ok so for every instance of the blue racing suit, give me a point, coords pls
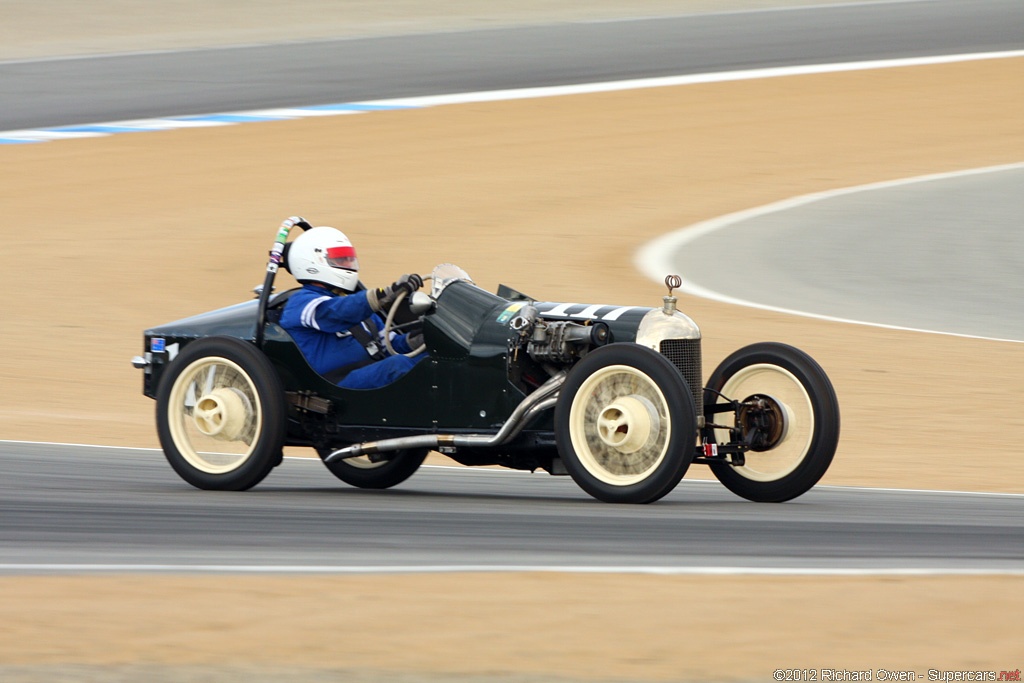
(320, 322)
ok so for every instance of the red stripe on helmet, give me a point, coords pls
(341, 252)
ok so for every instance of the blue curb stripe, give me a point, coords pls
(19, 137)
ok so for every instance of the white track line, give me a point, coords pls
(654, 259)
(479, 569)
(690, 79)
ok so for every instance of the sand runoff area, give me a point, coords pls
(108, 236)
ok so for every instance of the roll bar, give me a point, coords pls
(276, 256)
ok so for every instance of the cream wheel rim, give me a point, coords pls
(619, 425)
(798, 431)
(214, 415)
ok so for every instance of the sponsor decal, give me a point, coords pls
(156, 345)
(512, 309)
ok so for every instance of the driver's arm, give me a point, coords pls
(335, 313)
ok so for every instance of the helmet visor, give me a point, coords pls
(342, 257)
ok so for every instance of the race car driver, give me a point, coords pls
(335, 322)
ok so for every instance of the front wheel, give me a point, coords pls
(625, 424)
(788, 416)
(220, 414)
(381, 474)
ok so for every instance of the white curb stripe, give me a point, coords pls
(691, 79)
(231, 118)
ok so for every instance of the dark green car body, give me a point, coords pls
(610, 395)
(471, 382)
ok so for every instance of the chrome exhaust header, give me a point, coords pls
(540, 400)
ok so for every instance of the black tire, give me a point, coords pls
(797, 456)
(384, 474)
(625, 424)
(221, 415)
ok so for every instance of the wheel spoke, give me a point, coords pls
(209, 379)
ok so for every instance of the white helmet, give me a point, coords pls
(324, 255)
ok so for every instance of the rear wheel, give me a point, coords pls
(625, 424)
(221, 414)
(382, 474)
(789, 414)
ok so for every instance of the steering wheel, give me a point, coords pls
(389, 323)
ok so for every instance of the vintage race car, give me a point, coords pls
(610, 395)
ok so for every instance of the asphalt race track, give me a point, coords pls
(67, 505)
(64, 505)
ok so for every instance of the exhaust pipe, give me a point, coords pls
(540, 400)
